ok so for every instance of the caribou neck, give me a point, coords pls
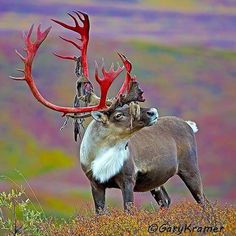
(99, 141)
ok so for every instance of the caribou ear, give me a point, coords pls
(99, 116)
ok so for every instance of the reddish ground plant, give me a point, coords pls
(183, 218)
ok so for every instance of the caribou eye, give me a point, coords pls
(118, 116)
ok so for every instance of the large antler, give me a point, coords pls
(129, 91)
(130, 85)
(83, 31)
(31, 50)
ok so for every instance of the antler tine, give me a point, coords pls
(20, 56)
(96, 72)
(84, 33)
(63, 24)
(72, 42)
(17, 78)
(85, 20)
(111, 74)
(45, 33)
(39, 31)
(105, 82)
(20, 70)
(112, 67)
(83, 14)
(29, 33)
(126, 62)
(73, 58)
(41, 36)
(108, 76)
(116, 72)
(76, 22)
(128, 66)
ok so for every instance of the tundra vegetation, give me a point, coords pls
(19, 216)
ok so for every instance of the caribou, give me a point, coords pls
(125, 146)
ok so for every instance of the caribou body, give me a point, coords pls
(125, 146)
(141, 158)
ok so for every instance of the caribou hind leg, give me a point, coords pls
(166, 194)
(190, 174)
(161, 196)
(193, 181)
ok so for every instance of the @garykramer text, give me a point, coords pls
(183, 228)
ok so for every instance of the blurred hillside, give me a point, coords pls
(184, 57)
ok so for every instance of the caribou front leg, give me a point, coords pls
(98, 192)
(128, 193)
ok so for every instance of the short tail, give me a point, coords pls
(193, 125)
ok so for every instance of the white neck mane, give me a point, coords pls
(104, 160)
(109, 162)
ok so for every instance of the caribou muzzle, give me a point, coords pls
(149, 116)
(146, 117)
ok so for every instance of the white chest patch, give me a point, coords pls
(109, 162)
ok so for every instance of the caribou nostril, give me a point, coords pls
(152, 112)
